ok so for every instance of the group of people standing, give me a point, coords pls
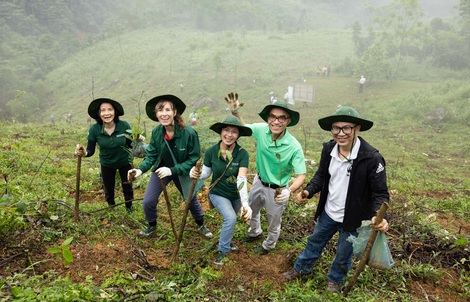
(351, 175)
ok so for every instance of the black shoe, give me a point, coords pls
(148, 231)
(249, 238)
(221, 258)
(260, 250)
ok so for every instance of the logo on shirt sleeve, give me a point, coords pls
(380, 168)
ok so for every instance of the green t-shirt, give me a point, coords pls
(276, 161)
(227, 185)
(113, 150)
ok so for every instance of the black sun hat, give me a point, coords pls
(231, 120)
(345, 114)
(94, 107)
(293, 115)
(177, 103)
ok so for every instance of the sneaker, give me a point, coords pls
(148, 231)
(205, 231)
(333, 287)
(220, 259)
(129, 210)
(260, 250)
(249, 238)
(234, 247)
(291, 275)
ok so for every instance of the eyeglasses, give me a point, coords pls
(345, 129)
(281, 119)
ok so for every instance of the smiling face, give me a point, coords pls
(345, 140)
(107, 113)
(165, 113)
(229, 135)
(278, 119)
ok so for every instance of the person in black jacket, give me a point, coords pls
(353, 184)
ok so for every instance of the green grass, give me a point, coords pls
(427, 165)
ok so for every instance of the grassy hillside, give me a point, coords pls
(419, 126)
(158, 61)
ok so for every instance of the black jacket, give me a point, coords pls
(367, 185)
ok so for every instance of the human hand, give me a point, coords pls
(163, 172)
(302, 196)
(246, 212)
(133, 174)
(195, 172)
(140, 138)
(382, 226)
(80, 151)
(283, 196)
(233, 102)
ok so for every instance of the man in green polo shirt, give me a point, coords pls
(278, 154)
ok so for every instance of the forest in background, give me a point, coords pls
(39, 37)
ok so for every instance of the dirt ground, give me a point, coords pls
(102, 258)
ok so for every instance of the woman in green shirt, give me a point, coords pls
(115, 149)
(227, 161)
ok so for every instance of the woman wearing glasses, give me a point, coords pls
(353, 184)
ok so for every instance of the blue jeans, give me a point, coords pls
(228, 209)
(323, 232)
(153, 191)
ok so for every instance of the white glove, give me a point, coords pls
(232, 102)
(163, 172)
(141, 138)
(195, 173)
(284, 196)
(246, 212)
(80, 151)
(133, 174)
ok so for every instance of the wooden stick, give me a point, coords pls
(370, 243)
(185, 214)
(77, 189)
(168, 205)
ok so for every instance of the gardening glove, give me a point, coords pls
(283, 197)
(133, 174)
(233, 102)
(163, 172)
(80, 151)
(246, 212)
(195, 173)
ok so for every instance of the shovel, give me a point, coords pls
(77, 189)
(370, 243)
(168, 205)
(185, 214)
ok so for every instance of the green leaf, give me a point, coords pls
(54, 250)
(67, 241)
(67, 254)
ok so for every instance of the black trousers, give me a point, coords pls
(109, 181)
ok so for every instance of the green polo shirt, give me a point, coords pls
(227, 185)
(113, 150)
(275, 162)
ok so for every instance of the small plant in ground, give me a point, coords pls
(63, 250)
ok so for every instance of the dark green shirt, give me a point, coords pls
(114, 152)
(227, 185)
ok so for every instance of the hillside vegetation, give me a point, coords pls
(420, 126)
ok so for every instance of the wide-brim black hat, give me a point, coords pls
(94, 107)
(177, 103)
(233, 121)
(293, 115)
(345, 114)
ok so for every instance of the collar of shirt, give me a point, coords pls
(352, 156)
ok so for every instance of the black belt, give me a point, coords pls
(266, 184)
